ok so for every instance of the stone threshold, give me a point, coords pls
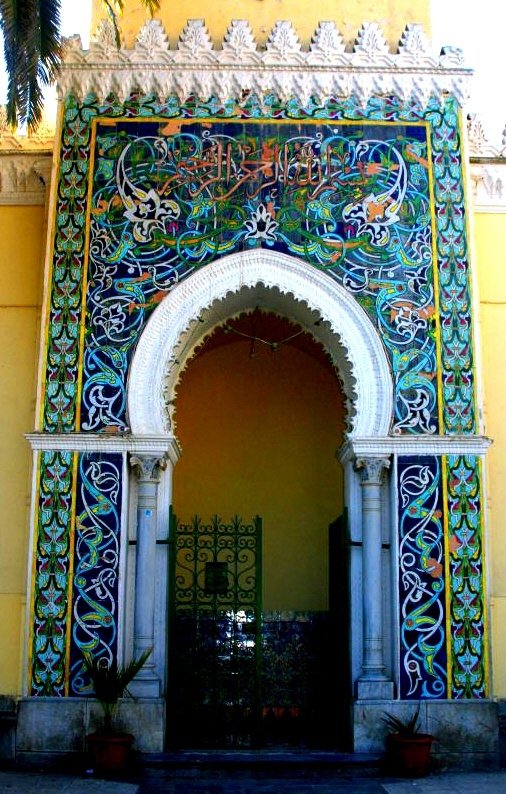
(260, 758)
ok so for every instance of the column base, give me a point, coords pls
(145, 688)
(374, 690)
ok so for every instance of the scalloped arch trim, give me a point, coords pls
(235, 283)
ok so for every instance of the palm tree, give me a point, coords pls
(32, 50)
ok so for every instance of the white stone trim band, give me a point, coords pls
(413, 445)
(157, 446)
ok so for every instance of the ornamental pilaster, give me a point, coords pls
(148, 469)
(373, 682)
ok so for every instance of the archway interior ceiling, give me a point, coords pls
(273, 317)
(261, 327)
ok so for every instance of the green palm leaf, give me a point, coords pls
(110, 680)
(33, 49)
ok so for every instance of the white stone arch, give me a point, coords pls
(282, 283)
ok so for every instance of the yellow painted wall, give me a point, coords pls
(259, 436)
(262, 14)
(21, 242)
(490, 248)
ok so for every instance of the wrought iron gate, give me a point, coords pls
(215, 643)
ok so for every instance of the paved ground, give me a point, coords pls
(216, 783)
(49, 783)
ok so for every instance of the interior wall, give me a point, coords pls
(259, 436)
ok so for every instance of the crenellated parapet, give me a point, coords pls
(330, 66)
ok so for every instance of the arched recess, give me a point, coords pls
(279, 283)
(212, 295)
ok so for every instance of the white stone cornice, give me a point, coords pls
(156, 446)
(198, 68)
(412, 445)
(24, 177)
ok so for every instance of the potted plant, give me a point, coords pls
(110, 749)
(408, 750)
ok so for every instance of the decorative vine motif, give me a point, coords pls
(466, 570)
(421, 579)
(401, 304)
(96, 563)
(68, 257)
(455, 301)
(352, 200)
(51, 574)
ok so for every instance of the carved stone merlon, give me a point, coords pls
(479, 144)
(238, 67)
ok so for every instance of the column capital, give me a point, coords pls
(372, 468)
(148, 468)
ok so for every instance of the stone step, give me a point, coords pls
(282, 761)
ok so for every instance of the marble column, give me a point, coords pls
(373, 683)
(148, 469)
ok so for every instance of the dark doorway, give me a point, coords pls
(339, 647)
(215, 643)
(242, 677)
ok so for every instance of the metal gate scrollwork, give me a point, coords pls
(214, 634)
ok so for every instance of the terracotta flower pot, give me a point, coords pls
(410, 755)
(110, 752)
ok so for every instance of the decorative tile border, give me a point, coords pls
(52, 575)
(467, 626)
(106, 364)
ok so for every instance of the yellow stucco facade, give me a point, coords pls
(22, 242)
(490, 253)
(393, 15)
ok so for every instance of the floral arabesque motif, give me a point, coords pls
(423, 663)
